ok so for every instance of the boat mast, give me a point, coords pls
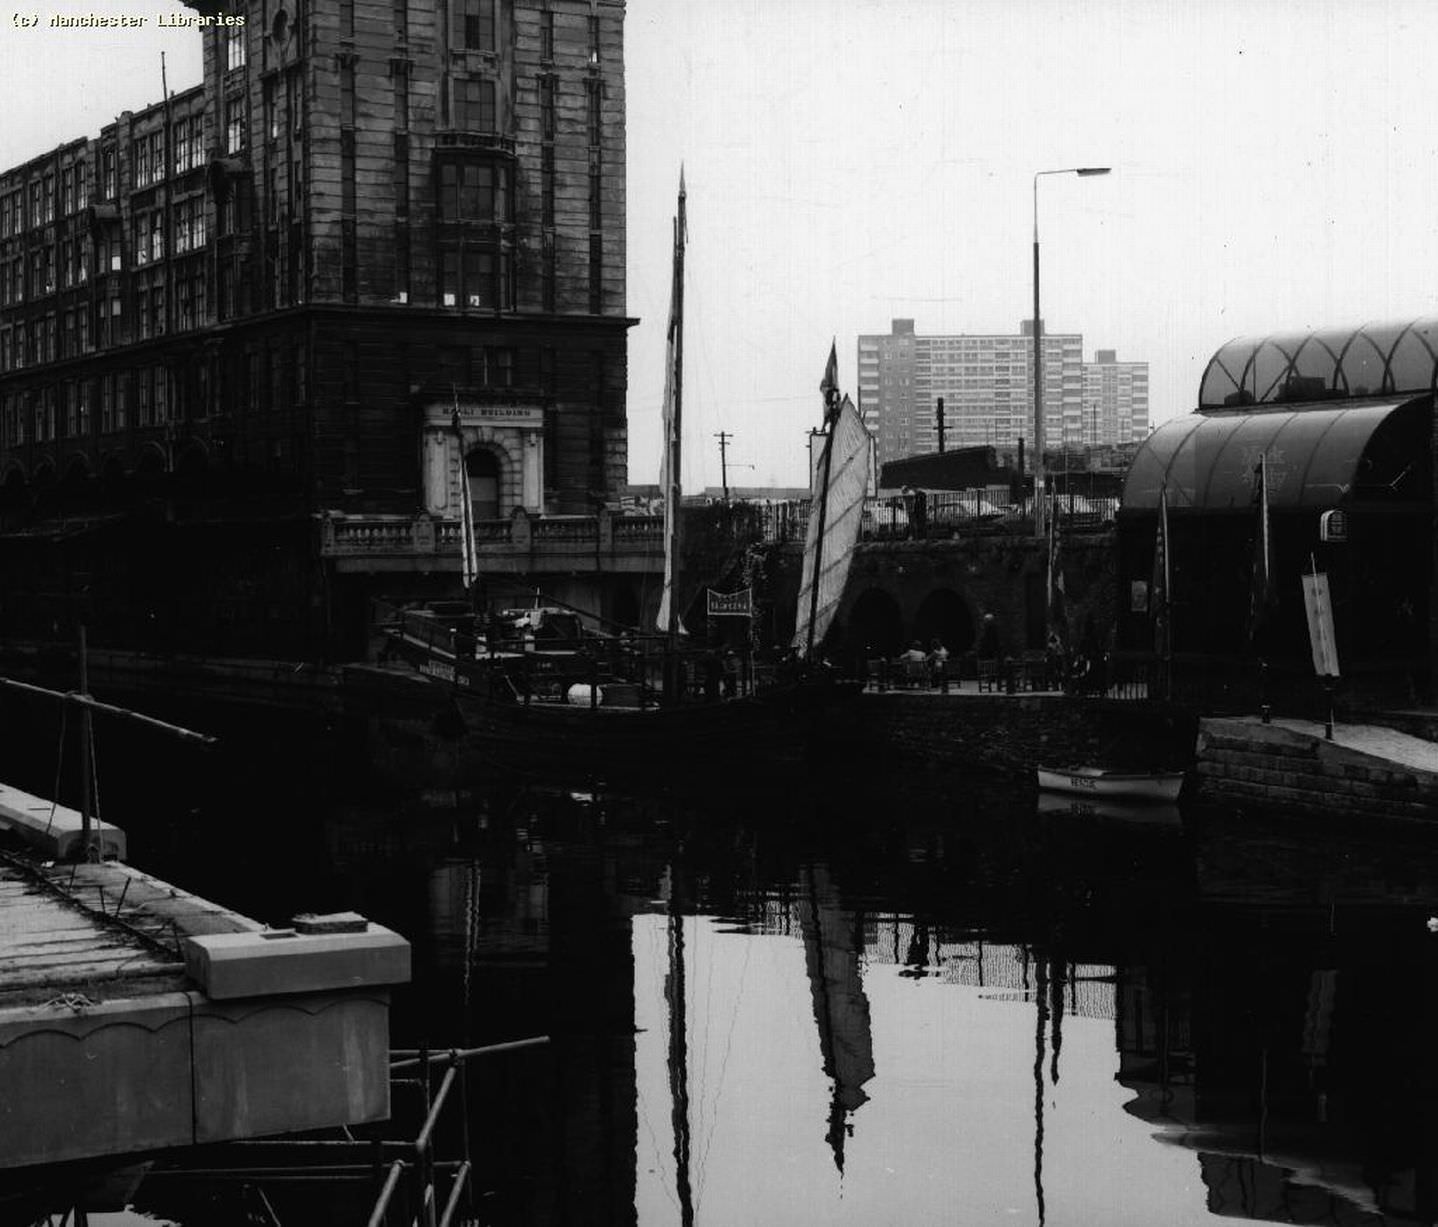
(831, 420)
(676, 442)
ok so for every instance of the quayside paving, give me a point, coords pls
(136, 1017)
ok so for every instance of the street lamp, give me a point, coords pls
(1038, 331)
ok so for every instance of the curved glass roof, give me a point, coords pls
(1208, 460)
(1374, 360)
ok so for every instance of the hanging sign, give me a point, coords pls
(1320, 624)
(731, 604)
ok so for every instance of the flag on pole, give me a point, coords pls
(1158, 589)
(468, 550)
(1262, 593)
(829, 385)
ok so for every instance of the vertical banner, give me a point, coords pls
(1320, 624)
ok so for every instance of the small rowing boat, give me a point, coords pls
(1098, 782)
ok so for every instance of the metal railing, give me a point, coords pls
(414, 1185)
(940, 515)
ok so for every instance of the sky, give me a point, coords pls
(849, 162)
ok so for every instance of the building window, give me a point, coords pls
(234, 48)
(546, 108)
(474, 25)
(474, 191)
(596, 274)
(475, 278)
(595, 198)
(547, 185)
(234, 123)
(593, 39)
(546, 35)
(474, 105)
(592, 91)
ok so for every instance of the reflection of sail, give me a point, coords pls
(832, 945)
(679, 1064)
(837, 512)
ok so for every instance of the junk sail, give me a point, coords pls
(833, 950)
(834, 520)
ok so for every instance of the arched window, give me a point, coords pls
(483, 467)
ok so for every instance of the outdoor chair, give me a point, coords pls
(915, 673)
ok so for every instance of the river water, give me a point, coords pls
(878, 997)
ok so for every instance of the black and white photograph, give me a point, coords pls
(706, 613)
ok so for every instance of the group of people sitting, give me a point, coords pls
(934, 660)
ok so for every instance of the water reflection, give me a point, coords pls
(909, 1001)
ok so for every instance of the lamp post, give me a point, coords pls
(1038, 331)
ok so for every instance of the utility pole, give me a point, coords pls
(724, 436)
(940, 420)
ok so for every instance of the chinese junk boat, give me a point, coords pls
(547, 682)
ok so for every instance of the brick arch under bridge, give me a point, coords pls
(874, 622)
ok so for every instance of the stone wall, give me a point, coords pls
(1249, 763)
(1012, 735)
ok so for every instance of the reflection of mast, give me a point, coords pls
(841, 1009)
(1041, 1010)
(1056, 996)
(678, 1057)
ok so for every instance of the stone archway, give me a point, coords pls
(944, 615)
(875, 625)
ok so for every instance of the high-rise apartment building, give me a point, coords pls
(1115, 398)
(271, 294)
(986, 383)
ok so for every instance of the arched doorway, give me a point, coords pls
(483, 468)
(943, 615)
(624, 608)
(876, 628)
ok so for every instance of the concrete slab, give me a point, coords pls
(275, 961)
(55, 830)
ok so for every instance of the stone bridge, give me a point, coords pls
(900, 591)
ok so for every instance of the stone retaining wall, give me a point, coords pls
(1247, 762)
(1012, 734)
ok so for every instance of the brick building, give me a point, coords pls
(234, 326)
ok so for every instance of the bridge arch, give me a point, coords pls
(875, 625)
(944, 615)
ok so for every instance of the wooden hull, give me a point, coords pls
(1112, 785)
(723, 735)
(698, 740)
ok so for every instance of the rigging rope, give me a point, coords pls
(59, 767)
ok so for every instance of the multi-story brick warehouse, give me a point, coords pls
(234, 326)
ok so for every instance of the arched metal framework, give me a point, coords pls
(1373, 360)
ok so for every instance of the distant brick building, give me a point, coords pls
(257, 303)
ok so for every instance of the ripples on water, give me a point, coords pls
(898, 999)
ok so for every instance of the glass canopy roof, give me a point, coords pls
(1374, 360)
(1314, 457)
